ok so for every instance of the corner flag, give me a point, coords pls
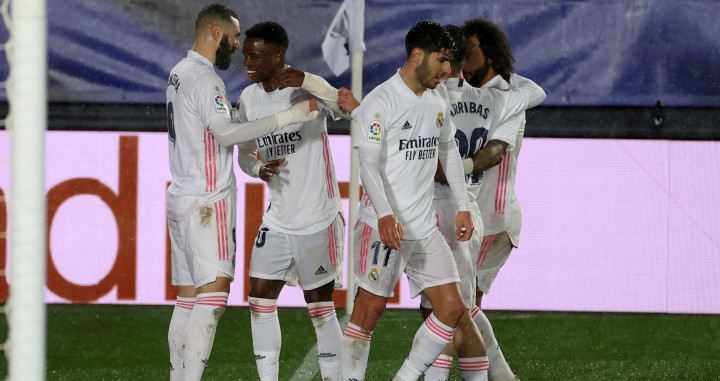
(345, 35)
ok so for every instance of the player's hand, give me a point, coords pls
(440, 175)
(463, 226)
(288, 77)
(346, 100)
(270, 169)
(391, 231)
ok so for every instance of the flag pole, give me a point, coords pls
(356, 65)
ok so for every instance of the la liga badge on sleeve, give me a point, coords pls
(220, 105)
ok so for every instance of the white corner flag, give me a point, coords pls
(345, 35)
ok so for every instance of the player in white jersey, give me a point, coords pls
(475, 112)
(403, 130)
(490, 65)
(303, 229)
(201, 196)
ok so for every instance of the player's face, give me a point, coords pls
(434, 69)
(476, 65)
(261, 59)
(228, 46)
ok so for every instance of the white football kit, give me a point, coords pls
(201, 197)
(498, 203)
(475, 112)
(303, 222)
(401, 133)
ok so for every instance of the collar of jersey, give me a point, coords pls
(193, 55)
(497, 82)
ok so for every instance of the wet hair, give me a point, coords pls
(213, 13)
(494, 44)
(460, 51)
(270, 32)
(429, 36)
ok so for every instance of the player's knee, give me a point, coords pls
(323, 293)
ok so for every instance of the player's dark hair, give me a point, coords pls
(460, 51)
(214, 12)
(429, 36)
(270, 32)
(494, 44)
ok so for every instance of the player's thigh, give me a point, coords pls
(464, 259)
(180, 255)
(318, 256)
(492, 260)
(272, 256)
(431, 264)
(377, 267)
(210, 237)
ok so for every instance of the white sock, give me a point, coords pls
(499, 368)
(176, 336)
(266, 336)
(356, 349)
(440, 369)
(474, 368)
(329, 339)
(200, 332)
(430, 340)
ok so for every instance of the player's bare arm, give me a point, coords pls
(347, 101)
(391, 231)
(463, 226)
(489, 156)
(270, 169)
(289, 77)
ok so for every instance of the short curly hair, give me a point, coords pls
(460, 51)
(270, 32)
(494, 44)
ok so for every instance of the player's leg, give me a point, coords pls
(377, 271)
(494, 252)
(270, 264)
(265, 326)
(318, 265)
(184, 303)
(432, 271)
(211, 260)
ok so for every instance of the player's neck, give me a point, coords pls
(411, 80)
(490, 75)
(205, 51)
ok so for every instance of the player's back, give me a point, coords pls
(201, 168)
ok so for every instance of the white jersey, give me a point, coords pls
(498, 203)
(475, 112)
(202, 169)
(304, 197)
(408, 128)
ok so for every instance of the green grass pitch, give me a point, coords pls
(103, 342)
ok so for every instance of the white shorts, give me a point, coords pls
(427, 262)
(312, 259)
(465, 257)
(494, 252)
(203, 244)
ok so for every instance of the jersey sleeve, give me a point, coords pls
(370, 118)
(212, 99)
(447, 131)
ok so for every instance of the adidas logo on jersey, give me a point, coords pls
(406, 126)
(321, 270)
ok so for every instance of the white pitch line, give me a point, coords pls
(309, 367)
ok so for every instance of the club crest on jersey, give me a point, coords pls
(220, 105)
(440, 120)
(375, 132)
(373, 276)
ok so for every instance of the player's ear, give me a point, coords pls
(216, 32)
(417, 56)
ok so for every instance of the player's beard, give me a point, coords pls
(424, 75)
(479, 75)
(223, 54)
